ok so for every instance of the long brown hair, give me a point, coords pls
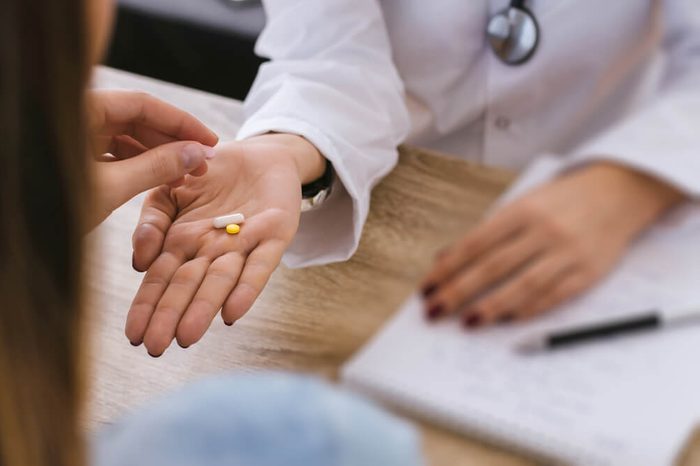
(43, 181)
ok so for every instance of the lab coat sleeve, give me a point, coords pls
(330, 79)
(663, 138)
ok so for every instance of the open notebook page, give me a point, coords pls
(626, 401)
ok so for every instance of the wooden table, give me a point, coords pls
(308, 320)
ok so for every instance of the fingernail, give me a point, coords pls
(192, 156)
(435, 312)
(228, 323)
(209, 152)
(135, 343)
(506, 318)
(182, 346)
(428, 290)
(155, 356)
(472, 321)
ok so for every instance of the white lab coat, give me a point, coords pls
(616, 79)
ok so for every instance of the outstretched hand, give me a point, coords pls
(194, 270)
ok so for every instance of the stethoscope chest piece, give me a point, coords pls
(513, 34)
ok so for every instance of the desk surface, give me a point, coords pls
(308, 320)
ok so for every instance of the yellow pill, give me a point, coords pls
(233, 229)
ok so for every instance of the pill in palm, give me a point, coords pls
(233, 229)
(224, 220)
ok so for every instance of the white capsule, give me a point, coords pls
(221, 222)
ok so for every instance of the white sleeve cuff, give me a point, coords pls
(662, 142)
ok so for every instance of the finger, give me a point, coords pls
(121, 112)
(220, 280)
(176, 298)
(511, 298)
(148, 137)
(157, 214)
(162, 165)
(484, 237)
(151, 290)
(488, 270)
(568, 288)
(124, 147)
(256, 272)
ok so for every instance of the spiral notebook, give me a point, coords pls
(626, 401)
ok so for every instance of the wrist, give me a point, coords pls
(641, 197)
(310, 164)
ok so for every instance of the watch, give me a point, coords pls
(314, 193)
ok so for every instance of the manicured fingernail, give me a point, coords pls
(135, 343)
(435, 312)
(156, 356)
(209, 152)
(133, 263)
(192, 156)
(429, 289)
(506, 318)
(472, 320)
(182, 346)
(228, 323)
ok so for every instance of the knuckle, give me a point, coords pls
(161, 165)
(555, 230)
(154, 280)
(222, 275)
(488, 270)
(529, 209)
(576, 284)
(167, 313)
(182, 279)
(145, 100)
(452, 295)
(528, 282)
(201, 303)
(247, 291)
(490, 305)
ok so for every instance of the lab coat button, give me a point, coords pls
(502, 123)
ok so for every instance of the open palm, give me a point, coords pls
(195, 270)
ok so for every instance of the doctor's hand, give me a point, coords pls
(140, 142)
(194, 270)
(546, 247)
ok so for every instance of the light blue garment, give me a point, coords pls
(258, 420)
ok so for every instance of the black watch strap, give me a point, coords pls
(324, 182)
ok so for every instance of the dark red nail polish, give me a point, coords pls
(135, 343)
(472, 320)
(228, 323)
(133, 263)
(428, 290)
(435, 312)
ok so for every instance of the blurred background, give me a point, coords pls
(205, 44)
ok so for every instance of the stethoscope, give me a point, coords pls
(514, 33)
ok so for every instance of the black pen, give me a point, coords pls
(646, 321)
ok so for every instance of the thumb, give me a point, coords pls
(161, 165)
